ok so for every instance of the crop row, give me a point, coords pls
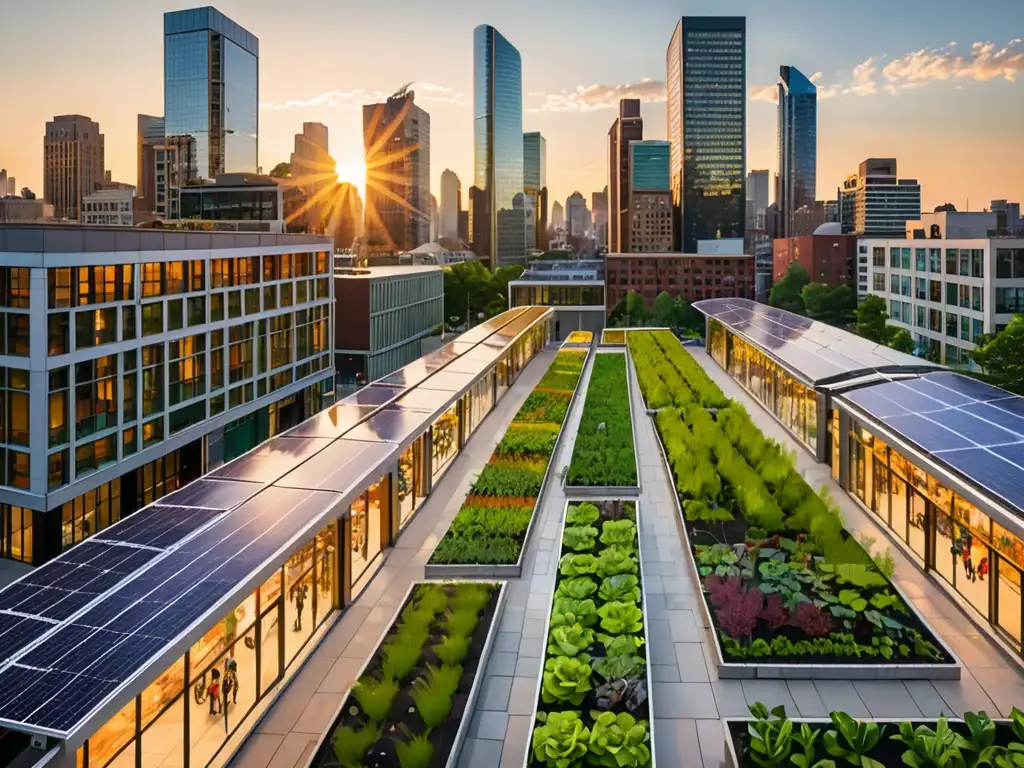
(670, 375)
(772, 740)
(604, 455)
(406, 707)
(593, 708)
(782, 577)
(491, 526)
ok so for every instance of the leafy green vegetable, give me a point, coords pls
(625, 587)
(620, 645)
(351, 744)
(615, 560)
(578, 588)
(375, 696)
(584, 513)
(621, 618)
(577, 565)
(603, 454)
(561, 739)
(566, 610)
(433, 693)
(619, 740)
(619, 532)
(579, 537)
(566, 679)
(615, 667)
(569, 640)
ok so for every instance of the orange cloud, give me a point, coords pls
(587, 98)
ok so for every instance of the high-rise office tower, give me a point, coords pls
(577, 216)
(149, 135)
(396, 137)
(557, 215)
(650, 200)
(6, 183)
(627, 128)
(599, 207)
(876, 202)
(757, 190)
(211, 91)
(798, 145)
(706, 95)
(498, 146)
(535, 185)
(313, 172)
(451, 204)
(73, 163)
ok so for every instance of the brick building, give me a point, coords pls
(691, 276)
(829, 259)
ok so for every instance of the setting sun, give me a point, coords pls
(353, 170)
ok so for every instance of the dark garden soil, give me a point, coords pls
(403, 710)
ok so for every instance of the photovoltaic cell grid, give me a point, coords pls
(59, 681)
(975, 428)
(815, 350)
(77, 662)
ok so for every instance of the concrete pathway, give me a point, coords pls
(287, 733)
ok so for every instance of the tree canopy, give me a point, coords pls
(27, 193)
(470, 286)
(663, 312)
(787, 293)
(1002, 356)
(901, 340)
(281, 171)
(834, 305)
(871, 317)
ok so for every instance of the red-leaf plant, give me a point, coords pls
(810, 620)
(722, 589)
(738, 615)
(773, 614)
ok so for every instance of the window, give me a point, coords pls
(94, 455)
(951, 319)
(58, 406)
(95, 327)
(965, 296)
(935, 260)
(920, 259)
(905, 285)
(965, 328)
(183, 418)
(152, 379)
(96, 402)
(977, 262)
(152, 318)
(280, 341)
(965, 262)
(1009, 300)
(17, 333)
(894, 309)
(187, 369)
(216, 360)
(907, 316)
(152, 432)
(240, 353)
(894, 258)
(905, 258)
(175, 315)
(128, 329)
(952, 293)
(197, 275)
(222, 273)
(234, 304)
(14, 406)
(919, 320)
(216, 307)
(60, 287)
(977, 329)
(247, 267)
(252, 301)
(152, 279)
(951, 256)
(935, 291)
(57, 333)
(197, 310)
(878, 282)
(935, 320)
(894, 285)
(175, 276)
(286, 294)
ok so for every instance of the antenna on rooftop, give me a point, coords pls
(401, 92)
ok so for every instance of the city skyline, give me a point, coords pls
(957, 135)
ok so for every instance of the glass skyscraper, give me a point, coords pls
(211, 91)
(706, 82)
(535, 185)
(498, 146)
(798, 145)
(649, 165)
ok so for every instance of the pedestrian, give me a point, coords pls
(231, 678)
(300, 603)
(968, 565)
(213, 692)
(983, 568)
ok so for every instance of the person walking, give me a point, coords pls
(983, 568)
(213, 692)
(968, 565)
(300, 603)
(231, 679)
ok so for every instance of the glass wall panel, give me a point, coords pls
(409, 467)
(445, 439)
(298, 610)
(106, 744)
(162, 741)
(1008, 599)
(270, 666)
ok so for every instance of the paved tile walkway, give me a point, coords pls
(287, 734)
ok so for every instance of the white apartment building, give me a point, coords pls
(946, 292)
(136, 360)
(109, 208)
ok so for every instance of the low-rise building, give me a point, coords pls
(109, 208)
(382, 314)
(574, 289)
(828, 257)
(692, 276)
(241, 202)
(135, 360)
(18, 210)
(946, 291)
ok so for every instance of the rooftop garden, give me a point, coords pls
(491, 526)
(783, 579)
(593, 708)
(604, 455)
(580, 337)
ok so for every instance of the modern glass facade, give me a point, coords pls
(176, 721)
(649, 165)
(535, 185)
(793, 402)
(213, 204)
(706, 86)
(211, 90)
(798, 144)
(498, 144)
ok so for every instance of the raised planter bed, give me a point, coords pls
(415, 694)
(979, 740)
(604, 462)
(593, 706)
(787, 592)
(489, 535)
(613, 337)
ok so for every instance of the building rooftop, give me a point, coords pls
(815, 352)
(376, 273)
(80, 635)
(678, 256)
(76, 238)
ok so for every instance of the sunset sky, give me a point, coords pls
(939, 84)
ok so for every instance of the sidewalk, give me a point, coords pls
(287, 734)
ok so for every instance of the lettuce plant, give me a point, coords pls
(621, 618)
(619, 532)
(615, 560)
(624, 587)
(570, 640)
(619, 741)
(620, 645)
(568, 611)
(561, 739)
(577, 565)
(578, 588)
(579, 538)
(585, 513)
(566, 679)
(617, 667)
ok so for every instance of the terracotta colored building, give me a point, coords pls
(681, 274)
(830, 259)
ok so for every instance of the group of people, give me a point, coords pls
(225, 686)
(962, 548)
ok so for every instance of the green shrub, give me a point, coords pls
(414, 751)
(506, 480)
(433, 693)
(603, 454)
(351, 744)
(453, 649)
(375, 696)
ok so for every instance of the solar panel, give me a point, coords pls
(272, 459)
(928, 433)
(333, 422)
(374, 395)
(17, 631)
(875, 403)
(976, 430)
(419, 399)
(339, 468)
(936, 391)
(392, 425)
(448, 382)
(210, 494)
(965, 385)
(996, 412)
(158, 525)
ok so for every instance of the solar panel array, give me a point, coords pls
(817, 351)
(76, 629)
(972, 427)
